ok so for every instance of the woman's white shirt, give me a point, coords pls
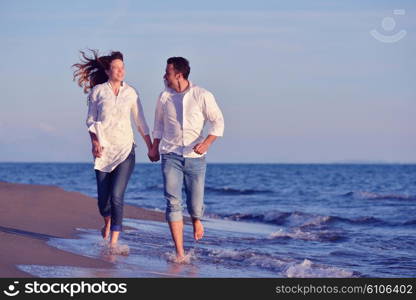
(109, 119)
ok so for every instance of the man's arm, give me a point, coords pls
(201, 148)
(214, 115)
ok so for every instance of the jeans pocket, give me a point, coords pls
(201, 159)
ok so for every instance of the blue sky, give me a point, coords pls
(298, 81)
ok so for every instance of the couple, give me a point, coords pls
(181, 113)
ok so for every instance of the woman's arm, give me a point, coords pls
(97, 149)
(90, 122)
(140, 121)
(154, 154)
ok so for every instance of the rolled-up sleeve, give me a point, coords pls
(138, 116)
(92, 114)
(158, 123)
(213, 114)
(92, 122)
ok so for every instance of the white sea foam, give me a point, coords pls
(227, 253)
(375, 196)
(249, 258)
(319, 220)
(188, 258)
(296, 234)
(308, 269)
(118, 249)
(307, 235)
(284, 266)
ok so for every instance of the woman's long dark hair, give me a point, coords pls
(91, 70)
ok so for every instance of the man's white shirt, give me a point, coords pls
(180, 119)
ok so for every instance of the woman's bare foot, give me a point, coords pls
(105, 232)
(198, 229)
(118, 249)
(114, 238)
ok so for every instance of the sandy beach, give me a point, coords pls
(31, 214)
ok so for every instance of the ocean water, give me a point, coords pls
(262, 220)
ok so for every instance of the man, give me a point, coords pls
(181, 113)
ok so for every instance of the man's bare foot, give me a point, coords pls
(180, 259)
(105, 232)
(198, 229)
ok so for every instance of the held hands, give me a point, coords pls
(153, 153)
(97, 149)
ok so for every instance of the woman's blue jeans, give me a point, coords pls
(111, 188)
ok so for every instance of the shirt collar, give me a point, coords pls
(172, 91)
(109, 84)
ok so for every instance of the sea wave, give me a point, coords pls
(301, 218)
(377, 196)
(411, 222)
(282, 266)
(221, 190)
(234, 191)
(274, 217)
(308, 269)
(309, 235)
(311, 227)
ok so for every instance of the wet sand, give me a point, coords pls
(31, 214)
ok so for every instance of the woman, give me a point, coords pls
(111, 102)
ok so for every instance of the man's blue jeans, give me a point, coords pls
(111, 188)
(176, 170)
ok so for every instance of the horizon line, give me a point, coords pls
(247, 163)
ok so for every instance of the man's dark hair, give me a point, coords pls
(181, 65)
